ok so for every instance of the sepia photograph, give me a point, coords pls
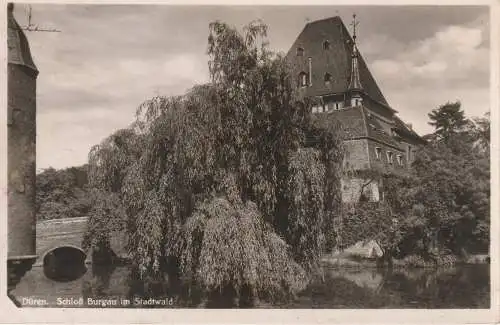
(248, 156)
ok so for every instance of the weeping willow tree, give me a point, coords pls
(217, 183)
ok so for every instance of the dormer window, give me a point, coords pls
(390, 158)
(400, 160)
(303, 82)
(300, 51)
(328, 78)
(378, 152)
(326, 45)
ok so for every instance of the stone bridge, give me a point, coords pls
(55, 234)
(59, 245)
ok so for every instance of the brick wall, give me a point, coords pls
(356, 154)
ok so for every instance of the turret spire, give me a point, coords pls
(355, 83)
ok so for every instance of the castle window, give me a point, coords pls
(326, 45)
(400, 160)
(328, 78)
(300, 51)
(378, 152)
(303, 79)
(390, 158)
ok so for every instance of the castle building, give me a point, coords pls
(328, 66)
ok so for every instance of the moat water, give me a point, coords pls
(464, 286)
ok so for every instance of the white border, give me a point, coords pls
(9, 313)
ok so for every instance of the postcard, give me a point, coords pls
(319, 162)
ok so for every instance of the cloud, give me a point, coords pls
(110, 58)
(414, 105)
(451, 55)
(450, 65)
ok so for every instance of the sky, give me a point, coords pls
(108, 59)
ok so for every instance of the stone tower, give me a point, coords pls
(21, 121)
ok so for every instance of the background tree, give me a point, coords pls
(449, 198)
(448, 119)
(62, 193)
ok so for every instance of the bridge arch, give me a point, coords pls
(60, 240)
(64, 263)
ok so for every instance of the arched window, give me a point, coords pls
(303, 79)
(328, 78)
(326, 45)
(300, 51)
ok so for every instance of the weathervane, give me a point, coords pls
(354, 24)
(35, 28)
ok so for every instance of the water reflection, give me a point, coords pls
(64, 264)
(99, 284)
(459, 287)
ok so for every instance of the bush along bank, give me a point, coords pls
(348, 260)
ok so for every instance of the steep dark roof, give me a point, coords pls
(352, 121)
(336, 60)
(17, 43)
(403, 130)
(378, 130)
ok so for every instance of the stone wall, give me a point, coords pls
(21, 160)
(382, 162)
(352, 190)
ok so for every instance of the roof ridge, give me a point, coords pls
(337, 17)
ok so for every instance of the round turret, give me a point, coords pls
(21, 134)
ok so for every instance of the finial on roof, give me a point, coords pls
(355, 82)
(354, 24)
